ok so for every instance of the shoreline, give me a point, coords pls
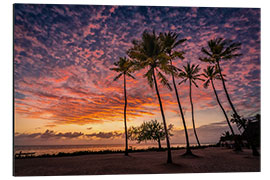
(78, 153)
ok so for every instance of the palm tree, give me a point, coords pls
(124, 68)
(147, 53)
(169, 41)
(211, 73)
(221, 50)
(190, 72)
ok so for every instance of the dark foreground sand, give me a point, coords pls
(209, 160)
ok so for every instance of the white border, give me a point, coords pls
(6, 84)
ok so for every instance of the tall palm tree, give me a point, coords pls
(191, 73)
(169, 41)
(218, 50)
(211, 73)
(124, 67)
(147, 53)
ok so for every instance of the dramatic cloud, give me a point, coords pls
(62, 56)
(50, 134)
(105, 135)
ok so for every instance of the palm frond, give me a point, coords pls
(206, 84)
(184, 80)
(164, 81)
(220, 49)
(118, 76)
(196, 78)
(178, 54)
(172, 69)
(149, 76)
(162, 59)
(131, 76)
(182, 74)
(206, 52)
(179, 42)
(205, 75)
(209, 60)
(124, 66)
(195, 83)
(115, 69)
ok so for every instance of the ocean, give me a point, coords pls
(55, 149)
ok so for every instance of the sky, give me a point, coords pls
(65, 93)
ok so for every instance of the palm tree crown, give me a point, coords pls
(124, 66)
(170, 42)
(148, 53)
(210, 73)
(190, 72)
(220, 49)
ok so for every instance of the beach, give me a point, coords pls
(212, 159)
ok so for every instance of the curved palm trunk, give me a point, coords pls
(169, 158)
(238, 146)
(224, 112)
(225, 89)
(192, 113)
(188, 151)
(125, 116)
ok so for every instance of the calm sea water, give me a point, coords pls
(54, 149)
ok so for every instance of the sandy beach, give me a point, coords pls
(213, 159)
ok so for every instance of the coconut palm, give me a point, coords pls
(124, 67)
(211, 73)
(218, 50)
(147, 53)
(169, 41)
(191, 73)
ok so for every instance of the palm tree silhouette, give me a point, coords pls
(211, 73)
(169, 41)
(147, 53)
(190, 72)
(218, 50)
(124, 68)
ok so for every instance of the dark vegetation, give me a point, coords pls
(250, 136)
(79, 153)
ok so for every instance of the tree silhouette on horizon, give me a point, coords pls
(149, 130)
(248, 128)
